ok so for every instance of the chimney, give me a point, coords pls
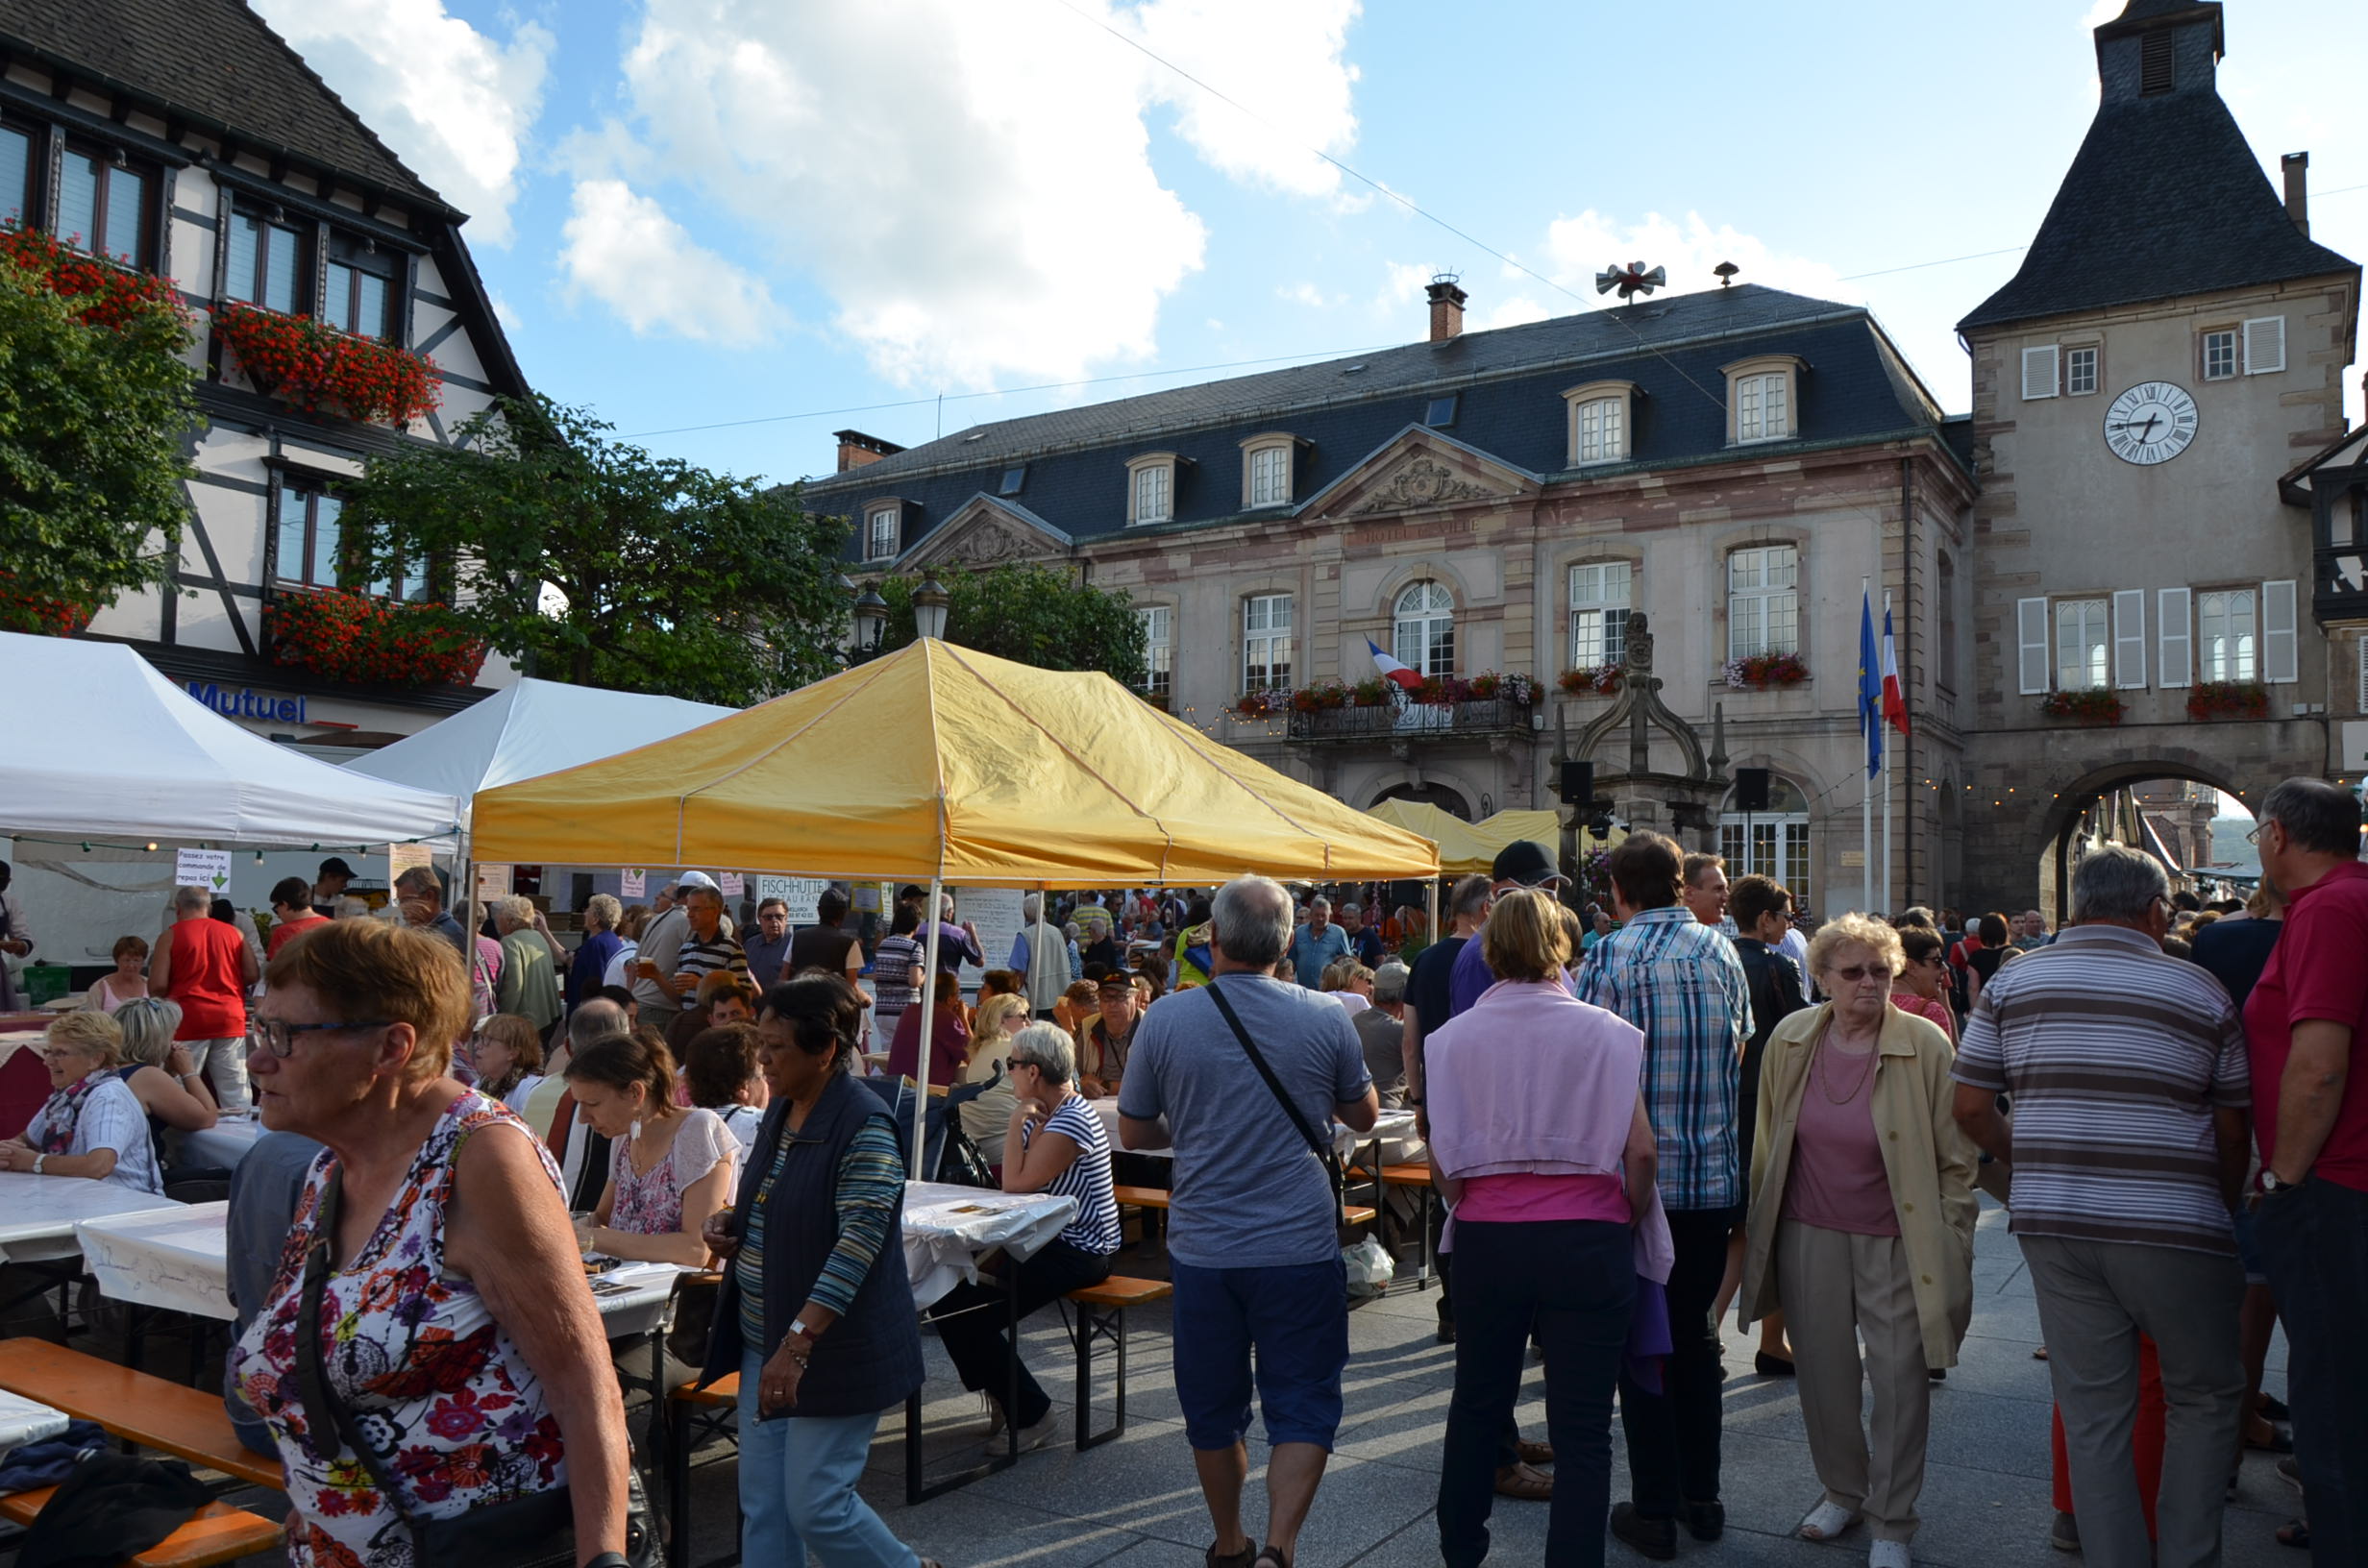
(2297, 167)
(858, 450)
(1447, 307)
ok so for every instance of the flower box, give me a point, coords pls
(346, 635)
(1597, 680)
(322, 370)
(2095, 706)
(109, 294)
(1261, 705)
(1373, 691)
(1761, 672)
(2227, 699)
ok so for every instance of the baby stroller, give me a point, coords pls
(951, 1157)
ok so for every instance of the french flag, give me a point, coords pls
(1391, 669)
(1894, 698)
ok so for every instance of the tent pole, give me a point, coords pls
(1038, 952)
(927, 1001)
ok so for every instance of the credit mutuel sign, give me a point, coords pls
(246, 703)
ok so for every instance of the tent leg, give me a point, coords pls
(927, 1001)
(1038, 952)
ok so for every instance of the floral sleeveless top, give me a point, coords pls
(431, 1380)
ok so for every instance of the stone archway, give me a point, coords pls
(1446, 797)
(2042, 833)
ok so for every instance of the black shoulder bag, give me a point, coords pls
(534, 1529)
(1322, 1146)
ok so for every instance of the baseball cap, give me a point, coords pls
(336, 865)
(696, 879)
(1115, 980)
(1528, 862)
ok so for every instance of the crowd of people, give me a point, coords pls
(1640, 1116)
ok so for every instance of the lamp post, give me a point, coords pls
(929, 601)
(871, 622)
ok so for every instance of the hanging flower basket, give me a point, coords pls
(1320, 697)
(1595, 680)
(1373, 691)
(2227, 699)
(322, 370)
(104, 293)
(345, 635)
(1759, 671)
(2095, 706)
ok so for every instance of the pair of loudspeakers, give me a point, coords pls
(1751, 786)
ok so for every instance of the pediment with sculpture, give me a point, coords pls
(987, 532)
(1420, 472)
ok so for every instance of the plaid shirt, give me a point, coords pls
(1680, 982)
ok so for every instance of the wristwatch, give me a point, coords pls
(2272, 1182)
(38, 1161)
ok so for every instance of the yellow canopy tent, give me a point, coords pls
(1466, 847)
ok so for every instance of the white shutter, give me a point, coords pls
(2264, 345)
(2175, 661)
(2129, 637)
(2031, 639)
(2039, 372)
(2281, 652)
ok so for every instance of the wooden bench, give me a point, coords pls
(217, 1533)
(693, 1415)
(1101, 1315)
(187, 1423)
(1156, 1197)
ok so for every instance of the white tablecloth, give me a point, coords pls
(223, 1144)
(38, 1214)
(22, 1421)
(1389, 1125)
(946, 1228)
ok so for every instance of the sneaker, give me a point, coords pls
(2067, 1535)
(1032, 1439)
(1655, 1539)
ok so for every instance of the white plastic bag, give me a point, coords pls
(1371, 1268)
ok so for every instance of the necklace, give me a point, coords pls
(1825, 1076)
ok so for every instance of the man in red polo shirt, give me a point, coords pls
(2305, 1023)
(206, 965)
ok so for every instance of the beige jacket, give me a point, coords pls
(1930, 1164)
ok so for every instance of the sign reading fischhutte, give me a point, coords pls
(246, 703)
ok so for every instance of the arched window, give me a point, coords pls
(1771, 842)
(1422, 628)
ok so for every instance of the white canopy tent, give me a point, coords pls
(533, 728)
(143, 760)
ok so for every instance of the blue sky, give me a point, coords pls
(718, 213)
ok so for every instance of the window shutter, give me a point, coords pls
(2279, 643)
(2174, 610)
(2129, 637)
(2039, 372)
(2264, 345)
(2030, 638)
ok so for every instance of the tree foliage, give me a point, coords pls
(1031, 614)
(669, 578)
(97, 408)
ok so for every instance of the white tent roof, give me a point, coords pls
(102, 746)
(533, 728)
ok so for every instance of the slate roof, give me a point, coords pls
(216, 63)
(2164, 198)
(1508, 385)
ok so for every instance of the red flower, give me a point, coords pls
(321, 368)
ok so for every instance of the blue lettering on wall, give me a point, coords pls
(246, 703)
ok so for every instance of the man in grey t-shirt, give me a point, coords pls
(1253, 1229)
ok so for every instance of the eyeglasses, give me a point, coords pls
(280, 1035)
(2260, 827)
(1860, 972)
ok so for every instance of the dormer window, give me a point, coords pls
(1762, 395)
(1150, 488)
(1600, 421)
(1267, 470)
(881, 527)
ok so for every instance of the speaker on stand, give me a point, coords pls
(1751, 797)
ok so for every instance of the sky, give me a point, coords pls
(732, 227)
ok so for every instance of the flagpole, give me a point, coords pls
(1867, 782)
(1887, 765)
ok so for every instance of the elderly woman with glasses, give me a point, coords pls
(1861, 1228)
(1918, 987)
(467, 1353)
(92, 1125)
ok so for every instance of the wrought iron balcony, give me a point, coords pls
(1391, 722)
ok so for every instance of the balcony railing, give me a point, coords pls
(1408, 720)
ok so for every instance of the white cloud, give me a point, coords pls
(1403, 282)
(1582, 246)
(1293, 78)
(976, 197)
(453, 103)
(622, 250)
(1515, 310)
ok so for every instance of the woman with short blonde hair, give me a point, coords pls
(92, 1125)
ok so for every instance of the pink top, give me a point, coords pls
(1513, 1199)
(1838, 1181)
(1926, 1007)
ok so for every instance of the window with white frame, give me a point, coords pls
(1151, 490)
(1764, 406)
(2084, 645)
(879, 539)
(2080, 372)
(1267, 479)
(2220, 354)
(1158, 648)
(1266, 642)
(1599, 593)
(1422, 628)
(2227, 635)
(1773, 842)
(1602, 430)
(1763, 600)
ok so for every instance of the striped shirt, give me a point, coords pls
(702, 958)
(2117, 1055)
(1096, 1229)
(1680, 982)
(871, 1185)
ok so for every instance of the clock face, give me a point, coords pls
(2151, 423)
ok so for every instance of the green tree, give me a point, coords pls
(1031, 614)
(588, 561)
(97, 408)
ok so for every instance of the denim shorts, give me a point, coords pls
(1295, 1315)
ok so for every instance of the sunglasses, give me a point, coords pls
(1860, 972)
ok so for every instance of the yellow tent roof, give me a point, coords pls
(938, 761)
(1471, 847)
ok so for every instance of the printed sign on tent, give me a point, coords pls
(733, 884)
(407, 857)
(208, 868)
(996, 913)
(633, 884)
(492, 882)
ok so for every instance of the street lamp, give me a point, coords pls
(871, 622)
(929, 609)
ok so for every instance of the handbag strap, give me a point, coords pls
(1322, 1147)
(312, 1376)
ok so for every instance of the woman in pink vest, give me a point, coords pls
(1540, 1142)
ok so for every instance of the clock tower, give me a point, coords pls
(2172, 347)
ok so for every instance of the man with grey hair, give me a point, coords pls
(206, 966)
(1254, 1223)
(2126, 1152)
(1381, 1029)
(423, 885)
(2305, 1018)
(529, 984)
(1048, 971)
(1316, 946)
